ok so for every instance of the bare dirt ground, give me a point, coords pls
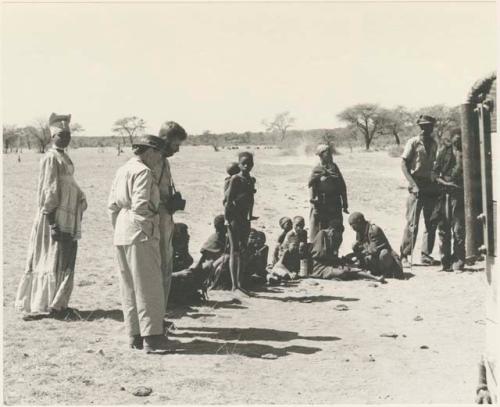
(290, 344)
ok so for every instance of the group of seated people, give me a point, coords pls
(372, 257)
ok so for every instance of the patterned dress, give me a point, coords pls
(47, 282)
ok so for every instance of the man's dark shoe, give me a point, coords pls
(429, 260)
(446, 266)
(135, 342)
(155, 344)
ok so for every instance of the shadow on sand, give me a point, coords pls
(246, 334)
(308, 298)
(73, 314)
(250, 350)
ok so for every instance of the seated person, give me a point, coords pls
(325, 261)
(257, 254)
(372, 249)
(286, 225)
(180, 245)
(188, 282)
(293, 249)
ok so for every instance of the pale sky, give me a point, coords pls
(226, 66)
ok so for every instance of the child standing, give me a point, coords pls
(238, 213)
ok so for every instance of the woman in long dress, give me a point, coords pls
(47, 282)
(328, 194)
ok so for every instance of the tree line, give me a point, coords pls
(364, 124)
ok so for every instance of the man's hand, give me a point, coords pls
(415, 189)
(345, 209)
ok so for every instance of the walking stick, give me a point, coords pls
(413, 234)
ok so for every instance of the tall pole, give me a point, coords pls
(472, 178)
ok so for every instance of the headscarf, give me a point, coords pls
(59, 123)
(322, 148)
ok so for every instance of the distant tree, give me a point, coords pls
(129, 127)
(76, 128)
(447, 118)
(396, 121)
(10, 136)
(280, 124)
(39, 132)
(367, 118)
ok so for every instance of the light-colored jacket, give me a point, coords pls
(133, 204)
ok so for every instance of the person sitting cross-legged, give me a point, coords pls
(326, 263)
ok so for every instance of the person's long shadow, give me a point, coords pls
(179, 311)
(250, 350)
(75, 315)
(246, 334)
(308, 298)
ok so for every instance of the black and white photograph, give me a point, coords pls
(249, 202)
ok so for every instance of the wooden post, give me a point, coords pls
(472, 178)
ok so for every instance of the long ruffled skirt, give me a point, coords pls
(47, 282)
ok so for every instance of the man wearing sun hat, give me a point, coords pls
(417, 164)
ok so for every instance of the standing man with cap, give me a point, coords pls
(418, 160)
(327, 194)
(171, 201)
(133, 207)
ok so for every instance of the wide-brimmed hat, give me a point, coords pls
(425, 119)
(150, 141)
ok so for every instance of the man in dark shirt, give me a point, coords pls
(448, 172)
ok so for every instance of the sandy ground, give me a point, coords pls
(290, 344)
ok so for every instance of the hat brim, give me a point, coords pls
(425, 122)
(146, 145)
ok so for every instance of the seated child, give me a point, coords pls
(180, 245)
(286, 225)
(293, 249)
(189, 282)
(257, 254)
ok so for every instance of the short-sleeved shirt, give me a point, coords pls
(420, 159)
